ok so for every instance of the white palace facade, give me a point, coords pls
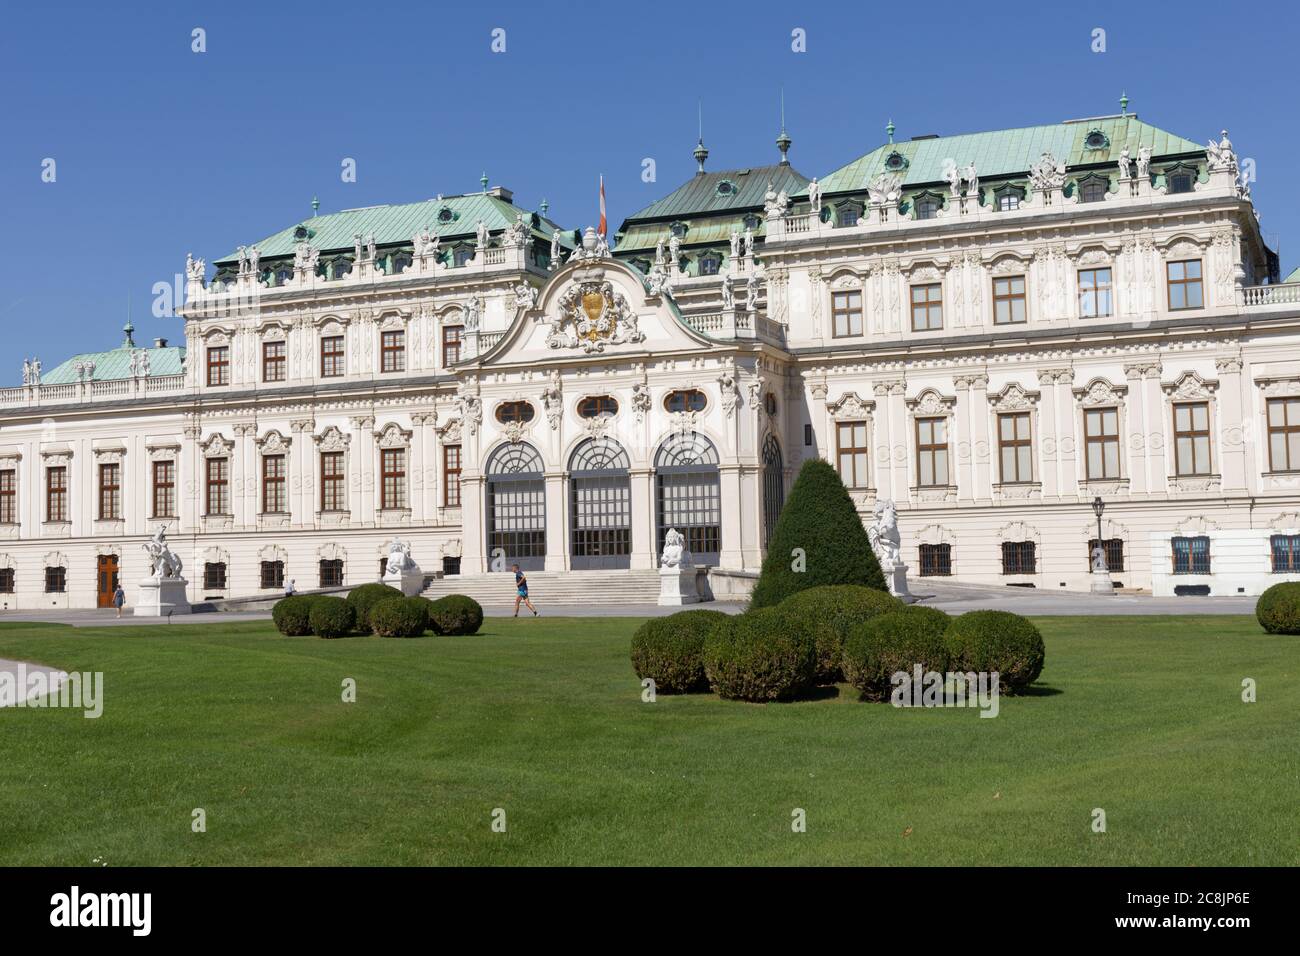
(993, 330)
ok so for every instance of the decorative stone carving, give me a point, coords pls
(1220, 155)
(332, 439)
(525, 296)
(552, 400)
(1047, 174)
(850, 406)
(469, 405)
(727, 389)
(593, 315)
(1189, 385)
(393, 436)
(1013, 398)
(1101, 392)
(640, 400)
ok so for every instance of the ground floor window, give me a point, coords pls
(6, 580)
(516, 508)
(1286, 552)
(688, 496)
(450, 565)
(936, 560)
(1191, 555)
(331, 574)
(272, 574)
(56, 580)
(1018, 557)
(1114, 553)
(600, 505)
(214, 576)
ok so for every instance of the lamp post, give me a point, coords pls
(1101, 582)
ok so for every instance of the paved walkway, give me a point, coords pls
(947, 596)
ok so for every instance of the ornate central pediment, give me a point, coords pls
(591, 315)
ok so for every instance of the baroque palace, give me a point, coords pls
(991, 330)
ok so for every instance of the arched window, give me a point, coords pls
(601, 498)
(710, 262)
(773, 486)
(516, 508)
(462, 255)
(514, 412)
(340, 267)
(688, 495)
(598, 406)
(688, 400)
(927, 207)
(400, 263)
(1092, 189)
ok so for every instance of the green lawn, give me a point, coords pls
(1140, 716)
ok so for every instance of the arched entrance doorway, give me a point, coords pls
(688, 495)
(773, 486)
(516, 508)
(601, 498)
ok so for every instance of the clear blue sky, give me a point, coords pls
(160, 150)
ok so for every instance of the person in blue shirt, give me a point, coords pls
(521, 591)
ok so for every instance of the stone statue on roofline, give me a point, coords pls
(555, 250)
(749, 243)
(728, 295)
(1125, 167)
(481, 235)
(659, 251)
(815, 197)
(1144, 162)
(972, 180)
(953, 175)
(735, 244)
(674, 253)
(1220, 154)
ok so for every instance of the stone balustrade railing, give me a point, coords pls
(1285, 293)
(72, 393)
(736, 324)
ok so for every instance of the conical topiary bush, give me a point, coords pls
(819, 517)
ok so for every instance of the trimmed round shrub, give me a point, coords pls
(331, 617)
(399, 617)
(1278, 608)
(291, 615)
(821, 519)
(880, 647)
(833, 610)
(363, 598)
(455, 614)
(760, 656)
(987, 641)
(670, 650)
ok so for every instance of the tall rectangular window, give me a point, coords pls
(331, 573)
(932, 452)
(1285, 550)
(1019, 557)
(218, 486)
(1095, 294)
(1284, 434)
(214, 576)
(56, 580)
(451, 337)
(927, 307)
(846, 314)
(852, 453)
(219, 365)
(164, 489)
(331, 356)
(1185, 285)
(273, 361)
(1114, 553)
(110, 491)
(333, 483)
(1101, 442)
(56, 494)
(6, 580)
(451, 476)
(272, 575)
(1192, 438)
(273, 480)
(1015, 448)
(9, 496)
(936, 560)
(1009, 300)
(392, 351)
(392, 490)
(1191, 555)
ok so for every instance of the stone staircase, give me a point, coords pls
(554, 588)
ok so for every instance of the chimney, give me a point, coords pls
(160, 343)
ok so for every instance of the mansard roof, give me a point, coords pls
(1009, 152)
(713, 214)
(116, 364)
(397, 223)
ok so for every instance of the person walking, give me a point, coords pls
(119, 598)
(521, 591)
(289, 589)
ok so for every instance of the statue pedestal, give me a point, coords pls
(409, 581)
(677, 586)
(896, 577)
(162, 597)
(1101, 583)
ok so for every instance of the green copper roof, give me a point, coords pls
(399, 223)
(1294, 276)
(699, 195)
(1010, 152)
(116, 364)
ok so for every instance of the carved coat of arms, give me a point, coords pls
(591, 316)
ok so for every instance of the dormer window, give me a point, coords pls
(1180, 179)
(927, 207)
(462, 255)
(340, 268)
(283, 274)
(1096, 139)
(848, 214)
(401, 262)
(751, 222)
(726, 188)
(895, 161)
(445, 214)
(710, 262)
(301, 232)
(1007, 198)
(678, 229)
(1092, 189)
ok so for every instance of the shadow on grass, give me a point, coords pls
(1039, 690)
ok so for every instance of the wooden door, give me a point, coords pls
(106, 580)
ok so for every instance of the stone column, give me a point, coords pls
(301, 506)
(361, 482)
(1049, 434)
(981, 447)
(1158, 429)
(557, 522)
(189, 477)
(1141, 436)
(641, 486)
(417, 476)
(733, 530)
(962, 441)
(900, 435)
